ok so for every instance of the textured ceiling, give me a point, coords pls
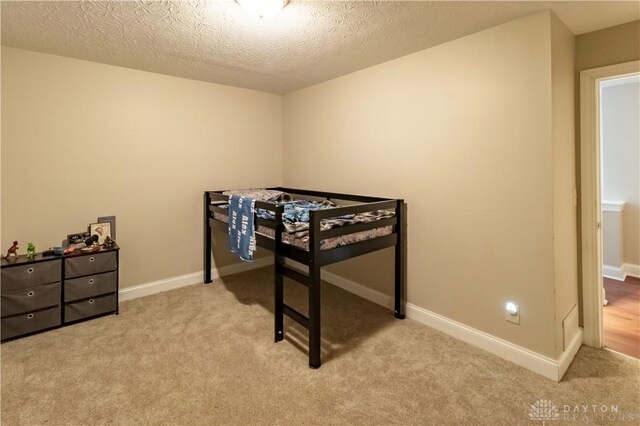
(307, 43)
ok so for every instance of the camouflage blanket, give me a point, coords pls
(301, 229)
(261, 194)
(296, 211)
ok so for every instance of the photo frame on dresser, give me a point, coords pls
(102, 230)
(112, 221)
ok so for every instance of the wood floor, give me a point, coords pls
(622, 316)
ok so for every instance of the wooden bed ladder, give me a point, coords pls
(313, 283)
(312, 322)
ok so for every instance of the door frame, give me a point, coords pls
(591, 213)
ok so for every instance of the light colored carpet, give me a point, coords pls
(205, 355)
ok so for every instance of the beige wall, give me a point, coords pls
(614, 45)
(463, 132)
(620, 110)
(82, 140)
(564, 178)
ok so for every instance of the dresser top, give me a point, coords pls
(24, 260)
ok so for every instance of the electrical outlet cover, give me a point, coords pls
(513, 318)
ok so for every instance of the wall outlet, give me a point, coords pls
(512, 313)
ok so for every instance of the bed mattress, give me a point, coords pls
(296, 219)
(300, 239)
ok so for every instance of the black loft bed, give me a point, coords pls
(314, 256)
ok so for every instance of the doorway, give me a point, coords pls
(620, 207)
(604, 217)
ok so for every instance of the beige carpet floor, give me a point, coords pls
(205, 355)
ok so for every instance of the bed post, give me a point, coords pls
(207, 239)
(400, 278)
(279, 278)
(314, 293)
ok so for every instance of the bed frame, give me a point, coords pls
(315, 258)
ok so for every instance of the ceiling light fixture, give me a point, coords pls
(264, 9)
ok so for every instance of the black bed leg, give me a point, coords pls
(207, 240)
(400, 262)
(314, 316)
(278, 311)
(279, 299)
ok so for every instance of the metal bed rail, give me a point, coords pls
(330, 195)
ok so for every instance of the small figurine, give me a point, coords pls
(13, 250)
(31, 250)
(108, 242)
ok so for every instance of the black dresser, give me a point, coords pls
(41, 293)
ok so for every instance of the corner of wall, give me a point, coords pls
(564, 179)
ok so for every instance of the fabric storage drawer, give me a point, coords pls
(89, 307)
(30, 299)
(92, 285)
(90, 264)
(31, 275)
(30, 322)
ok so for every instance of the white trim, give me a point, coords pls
(629, 269)
(358, 289)
(154, 287)
(506, 350)
(523, 357)
(172, 283)
(613, 272)
(351, 286)
(567, 356)
(613, 206)
(591, 250)
(236, 268)
(621, 273)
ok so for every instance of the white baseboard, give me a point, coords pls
(358, 289)
(630, 269)
(348, 285)
(172, 283)
(621, 274)
(613, 272)
(516, 354)
(523, 357)
(567, 356)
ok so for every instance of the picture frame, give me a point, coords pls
(102, 230)
(111, 220)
